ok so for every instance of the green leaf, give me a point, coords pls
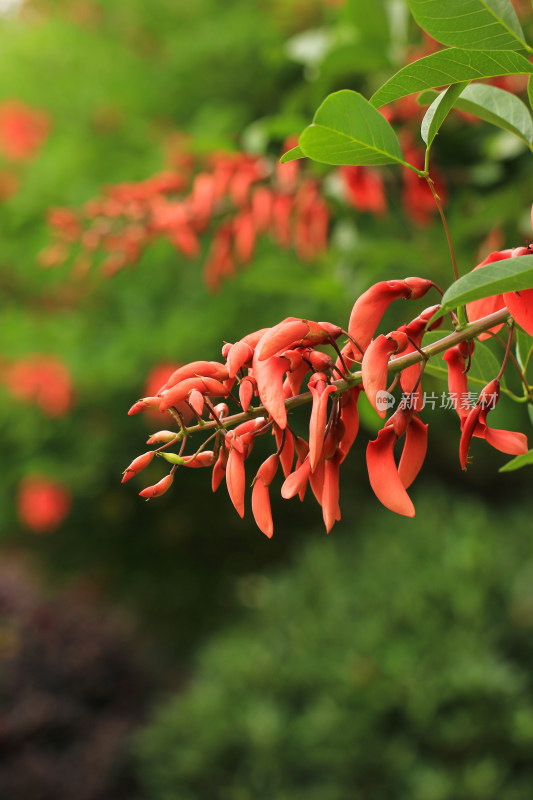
(508, 275)
(492, 105)
(530, 91)
(483, 368)
(438, 111)
(292, 155)
(520, 461)
(450, 66)
(471, 24)
(524, 345)
(348, 130)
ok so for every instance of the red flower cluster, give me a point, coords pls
(272, 365)
(364, 188)
(23, 130)
(241, 195)
(44, 380)
(42, 504)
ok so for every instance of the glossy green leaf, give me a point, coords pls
(509, 275)
(530, 91)
(471, 24)
(490, 104)
(438, 111)
(517, 462)
(292, 155)
(483, 368)
(454, 65)
(347, 129)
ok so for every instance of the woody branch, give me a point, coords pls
(466, 333)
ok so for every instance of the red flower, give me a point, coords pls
(42, 504)
(22, 130)
(389, 481)
(475, 424)
(364, 190)
(42, 379)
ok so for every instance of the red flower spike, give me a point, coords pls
(510, 442)
(240, 355)
(182, 390)
(204, 369)
(374, 368)
(383, 474)
(246, 391)
(415, 331)
(204, 459)
(161, 437)
(318, 419)
(269, 376)
(369, 309)
(281, 337)
(350, 420)
(297, 371)
(137, 465)
(457, 359)
(219, 470)
(321, 362)
(330, 495)
(159, 488)
(236, 480)
(144, 403)
(221, 410)
(260, 495)
(316, 480)
(419, 286)
(261, 508)
(414, 451)
(245, 236)
(296, 482)
(286, 455)
(197, 401)
(295, 333)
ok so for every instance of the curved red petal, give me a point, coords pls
(239, 354)
(469, 426)
(317, 423)
(350, 420)
(383, 474)
(261, 508)
(369, 309)
(374, 371)
(520, 305)
(280, 337)
(330, 494)
(414, 451)
(511, 442)
(236, 480)
(296, 481)
(269, 377)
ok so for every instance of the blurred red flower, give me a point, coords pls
(23, 130)
(42, 504)
(42, 379)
